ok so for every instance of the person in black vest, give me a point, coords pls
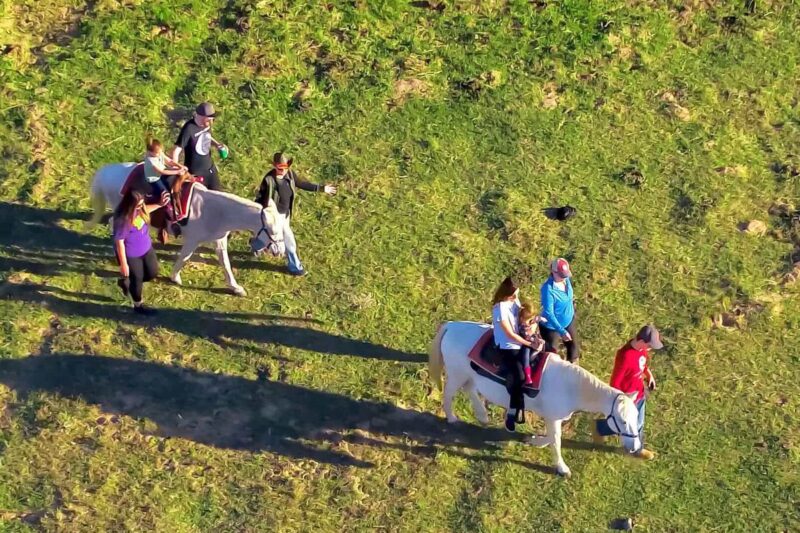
(195, 142)
(280, 185)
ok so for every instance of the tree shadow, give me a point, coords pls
(232, 412)
(216, 326)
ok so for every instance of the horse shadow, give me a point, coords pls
(223, 328)
(232, 412)
(33, 241)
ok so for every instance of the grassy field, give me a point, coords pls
(448, 127)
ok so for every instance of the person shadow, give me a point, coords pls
(224, 328)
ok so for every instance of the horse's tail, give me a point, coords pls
(435, 360)
(98, 205)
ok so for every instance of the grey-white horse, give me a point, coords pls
(212, 216)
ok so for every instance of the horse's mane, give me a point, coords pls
(589, 382)
(234, 198)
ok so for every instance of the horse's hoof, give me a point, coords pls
(453, 420)
(564, 472)
(239, 291)
(484, 423)
(176, 281)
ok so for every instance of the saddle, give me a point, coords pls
(182, 190)
(485, 359)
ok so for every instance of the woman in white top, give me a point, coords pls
(505, 312)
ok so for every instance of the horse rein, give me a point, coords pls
(610, 418)
(271, 238)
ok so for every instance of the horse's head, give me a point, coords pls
(270, 235)
(625, 416)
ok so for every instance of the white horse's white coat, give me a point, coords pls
(565, 389)
(212, 216)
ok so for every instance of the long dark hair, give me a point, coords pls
(127, 210)
(507, 288)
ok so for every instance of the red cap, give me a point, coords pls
(560, 266)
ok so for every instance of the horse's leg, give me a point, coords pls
(186, 252)
(224, 261)
(477, 404)
(554, 433)
(451, 386)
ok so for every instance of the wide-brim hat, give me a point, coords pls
(280, 160)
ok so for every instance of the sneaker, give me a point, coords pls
(142, 310)
(511, 425)
(299, 273)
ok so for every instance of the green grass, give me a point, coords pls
(306, 405)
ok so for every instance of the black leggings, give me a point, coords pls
(551, 337)
(142, 269)
(515, 376)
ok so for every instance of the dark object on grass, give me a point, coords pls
(623, 524)
(560, 213)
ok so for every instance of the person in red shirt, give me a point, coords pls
(631, 370)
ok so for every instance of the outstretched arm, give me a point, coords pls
(314, 187)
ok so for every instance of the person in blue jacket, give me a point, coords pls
(558, 310)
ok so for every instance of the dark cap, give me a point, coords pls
(650, 335)
(205, 109)
(280, 160)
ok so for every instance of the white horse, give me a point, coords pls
(212, 216)
(565, 389)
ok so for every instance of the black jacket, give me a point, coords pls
(269, 188)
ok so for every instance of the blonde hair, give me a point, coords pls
(526, 312)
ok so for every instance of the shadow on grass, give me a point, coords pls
(222, 328)
(232, 412)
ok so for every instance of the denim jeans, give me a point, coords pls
(605, 430)
(292, 259)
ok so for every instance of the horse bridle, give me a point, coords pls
(271, 238)
(610, 418)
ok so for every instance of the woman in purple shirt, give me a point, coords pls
(137, 259)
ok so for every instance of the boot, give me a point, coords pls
(597, 438)
(528, 378)
(510, 423)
